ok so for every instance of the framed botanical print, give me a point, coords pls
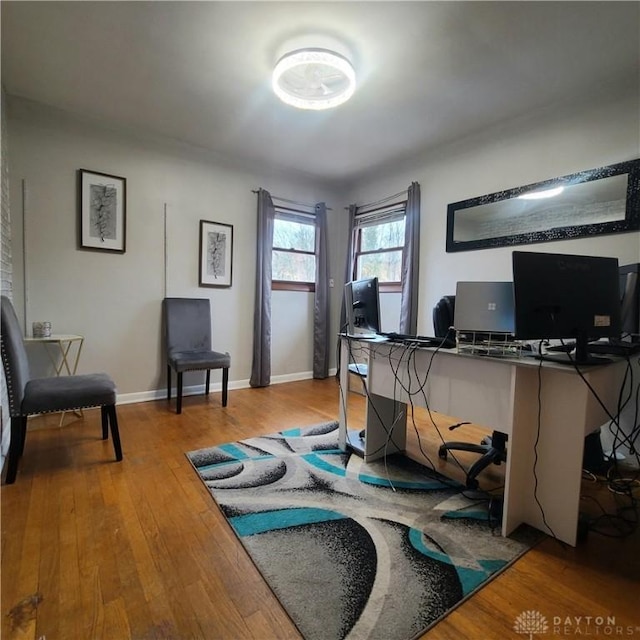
(103, 211)
(216, 254)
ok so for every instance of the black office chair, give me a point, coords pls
(443, 314)
(188, 344)
(30, 396)
(493, 449)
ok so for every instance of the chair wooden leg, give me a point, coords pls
(115, 433)
(15, 448)
(168, 382)
(206, 384)
(225, 384)
(179, 393)
(105, 419)
(23, 432)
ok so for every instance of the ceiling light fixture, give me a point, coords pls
(540, 195)
(314, 79)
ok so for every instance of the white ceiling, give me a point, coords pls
(428, 72)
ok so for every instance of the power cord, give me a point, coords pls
(407, 356)
(622, 486)
(535, 458)
(409, 353)
(371, 404)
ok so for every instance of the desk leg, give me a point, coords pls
(385, 422)
(386, 427)
(344, 394)
(549, 498)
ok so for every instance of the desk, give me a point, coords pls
(501, 394)
(64, 353)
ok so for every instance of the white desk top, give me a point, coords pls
(525, 360)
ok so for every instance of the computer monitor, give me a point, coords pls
(567, 297)
(362, 302)
(630, 301)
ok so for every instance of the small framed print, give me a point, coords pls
(216, 254)
(103, 211)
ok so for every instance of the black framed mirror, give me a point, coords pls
(594, 202)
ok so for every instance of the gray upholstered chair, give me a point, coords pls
(188, 344)
(30, 396)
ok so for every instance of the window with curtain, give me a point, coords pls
(379, 244)
(294, 251)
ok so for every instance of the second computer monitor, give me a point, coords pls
(362, 302)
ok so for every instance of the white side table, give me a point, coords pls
(64, 352)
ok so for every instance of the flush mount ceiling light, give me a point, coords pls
(541, 195)
(314, 79)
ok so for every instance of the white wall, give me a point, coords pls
(291, 340)
(546, 145)
(115, 300)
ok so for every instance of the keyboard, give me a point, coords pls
(420, 341)
(562, 348)
(620, 348)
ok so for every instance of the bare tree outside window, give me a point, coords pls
(379, 249)
(293, 256)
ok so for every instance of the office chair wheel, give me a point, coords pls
(442, 453)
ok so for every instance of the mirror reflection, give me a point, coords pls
(599, 201)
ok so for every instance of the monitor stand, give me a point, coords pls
(367, 336)
(581, 357)
(565, 358)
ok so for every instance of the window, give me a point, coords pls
(294, 251)
(379, 246)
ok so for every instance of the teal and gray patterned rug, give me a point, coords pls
(354, 550)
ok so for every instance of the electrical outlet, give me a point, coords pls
(331, 283)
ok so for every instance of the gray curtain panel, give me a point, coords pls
(261, 365)
(321, 300)
(411, 263)
(348, 269)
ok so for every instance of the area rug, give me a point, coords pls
(352, 550)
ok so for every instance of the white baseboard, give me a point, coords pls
(161, 394)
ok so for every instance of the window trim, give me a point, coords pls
(292, 285)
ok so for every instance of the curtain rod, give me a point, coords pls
(300, 204)
(382, 200)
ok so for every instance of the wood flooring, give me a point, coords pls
(95, 549)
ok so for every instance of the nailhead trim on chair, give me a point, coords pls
(14, 411)
(84, 406)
